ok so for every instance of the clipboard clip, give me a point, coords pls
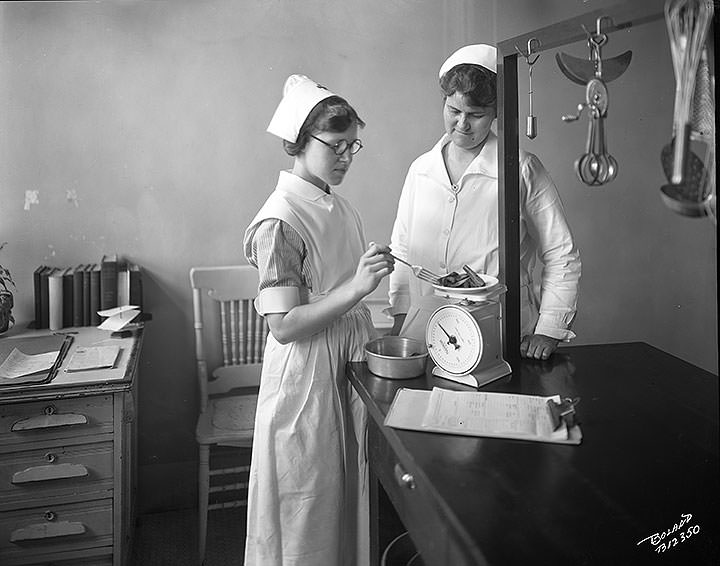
(563, 412)
(64, 348)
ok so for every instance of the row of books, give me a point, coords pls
(72, 296)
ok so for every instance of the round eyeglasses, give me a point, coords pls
(342, 146)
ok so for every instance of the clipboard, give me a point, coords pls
(466, 413)
(35, 345)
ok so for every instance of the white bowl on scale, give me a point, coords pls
(491, 290)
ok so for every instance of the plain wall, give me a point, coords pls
(142, 127)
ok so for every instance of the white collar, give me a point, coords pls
(485, 162)
(291, 183)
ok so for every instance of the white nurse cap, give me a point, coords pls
(480, 54)
(300, 95)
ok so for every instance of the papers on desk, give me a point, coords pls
(475, 413)
(18, 364)
(118, 317)
(36, 360)
(93, 357)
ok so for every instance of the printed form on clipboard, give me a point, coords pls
(475, 413)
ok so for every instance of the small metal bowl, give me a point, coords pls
(396, 357)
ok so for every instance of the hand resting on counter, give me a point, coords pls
(538, 346)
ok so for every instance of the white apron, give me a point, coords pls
(308, 498)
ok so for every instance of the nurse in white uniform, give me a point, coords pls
(307, 503)
(448, 215)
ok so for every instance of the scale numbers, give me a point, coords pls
(454, 339)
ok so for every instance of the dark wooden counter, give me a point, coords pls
(649, 458)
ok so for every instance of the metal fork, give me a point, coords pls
(419, 271)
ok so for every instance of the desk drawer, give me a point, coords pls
(93, 557)
(99, 561)
(415, 504)
(42, 534)
(59, 418)
(107, 561)
(55, 472)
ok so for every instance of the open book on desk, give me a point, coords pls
(475, 413)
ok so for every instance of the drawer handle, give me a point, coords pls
(49, 529)
(54, 472)
(403, 478)
(49, 420)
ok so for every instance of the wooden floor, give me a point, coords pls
(170, 539)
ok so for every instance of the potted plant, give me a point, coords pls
(6, 296)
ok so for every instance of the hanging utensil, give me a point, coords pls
(689, 160)
(531, 127)
(579, 70)
(596, 166)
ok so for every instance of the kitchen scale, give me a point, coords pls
(464, 337)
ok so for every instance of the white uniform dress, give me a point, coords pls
(308, 499)
(442, 227)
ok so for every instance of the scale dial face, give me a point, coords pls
(454, 339)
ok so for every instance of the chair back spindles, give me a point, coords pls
(251, 323)
(224, 335)
(241, 333)
(235, 333)
(245, 315)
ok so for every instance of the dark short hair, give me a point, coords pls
(334, 114)
(477, 83)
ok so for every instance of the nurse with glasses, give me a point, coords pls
(307, 501)
(342, 146)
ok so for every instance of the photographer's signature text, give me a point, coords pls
(675, 535)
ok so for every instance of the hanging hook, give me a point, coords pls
(596, 40)
(531, 129)
(597, 36)
(598, 24)
(530, 51)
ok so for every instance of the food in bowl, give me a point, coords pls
(458, 281)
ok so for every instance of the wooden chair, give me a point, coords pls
(230, 338)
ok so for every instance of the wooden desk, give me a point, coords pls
(67, 462)
(649, 455)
